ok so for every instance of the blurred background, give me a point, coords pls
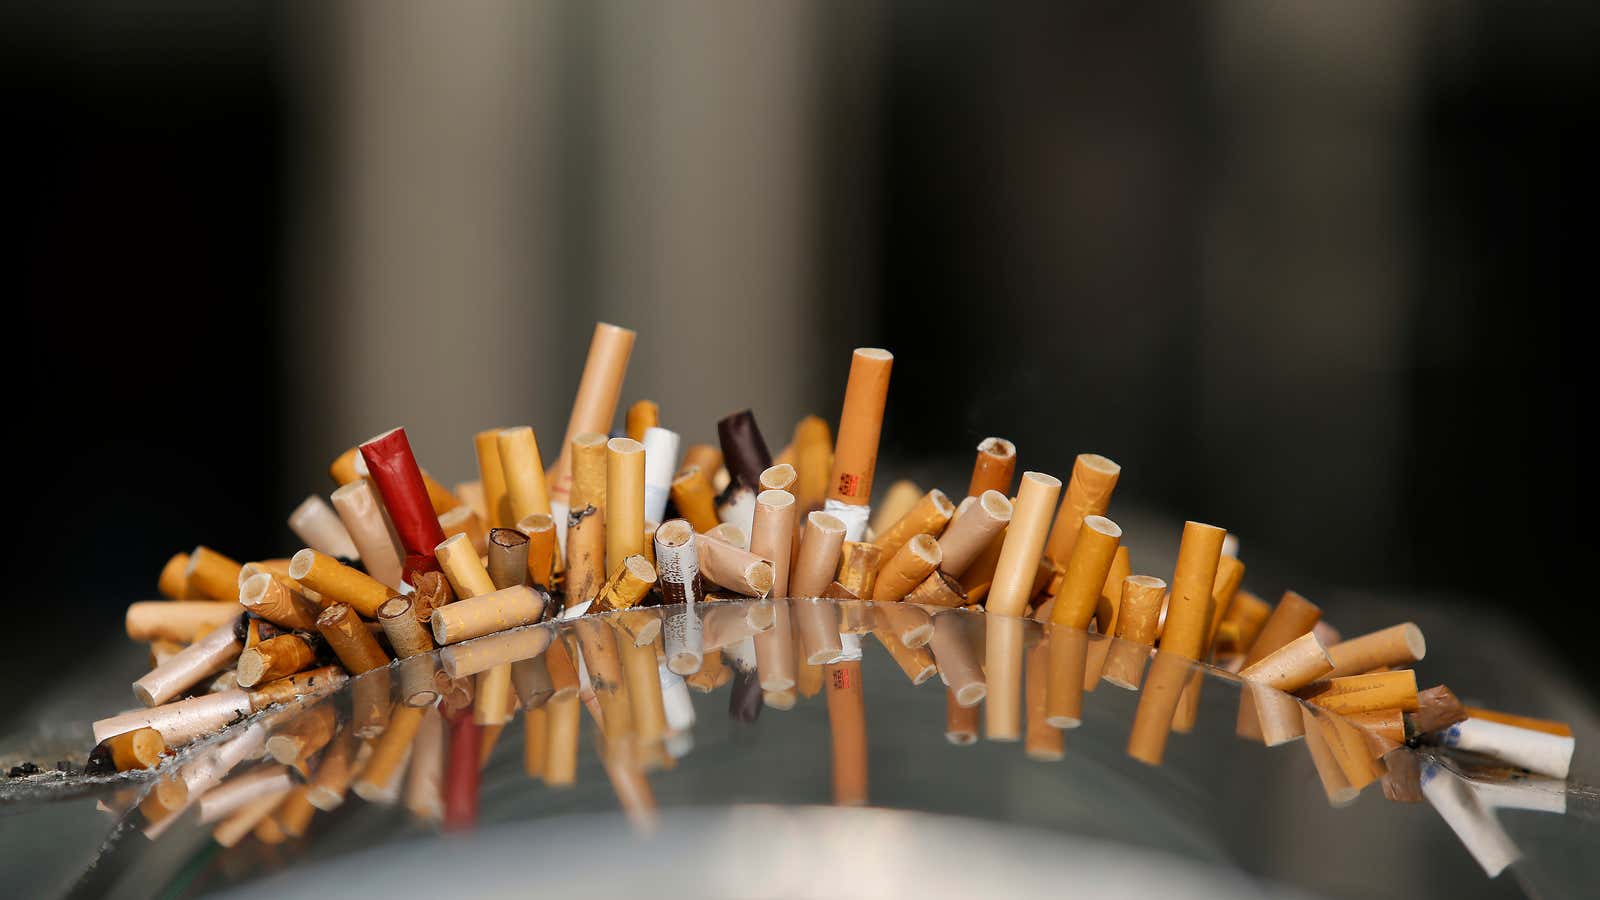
(1306, 270)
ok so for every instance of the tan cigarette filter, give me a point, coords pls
(740, 571)
(910, 624)
(994, 468)
(474, 617)
(1041, 739)
(916, 662)
(463, 521)
(642, 414)
(182, 720)
(929, 516)
(960, 722)
(1397, 645)
(275, 598)
(140, 748)
(1158, 700)
(1366, 693)
(1230, 572)
(898, 500)
(627, 586)
(813, 462)
(1064, 657)
(1289, 668)
(189, 666)
(407, 634)
(779, 477)
(976, 525)
(363, 515)
(470, 493)
(696, 501)
(542, 546)
(814, 568)
(1088, 565)
(1334, 783)
(213, 575)
(351, 640)
(561, 759)
(1024, 542)
(491, 700)
(599, 389)
(274, 658)
(174, 581)
(938, 589)
(339, 583)
(520, 466)
(388, 754)
(703, 456)
(460, 562)
(177, 620)
(1004, 642)
(1189, 606)
(916, 559)
(1088, 493)
(1245, 617)
(772, 538)
(855, 453)
(1293, 616)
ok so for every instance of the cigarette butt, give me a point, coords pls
(314, 683)
(319, 527)
(406, 496)
(979, 576)
(595, 405)
(563, 673)
(1334, 782)
(1109, 605)
(508, 557)
(994, 467)
(474, 617)
(1437, 709)
(535, 741)
(1365, 693)
(350, 639)
(1242, 623)
(424, 787)
(343, 468)
(1158, 699)
(1548, 726)
(441, 498)
(298, 739)
(958, 664)
(642, 414)
(1289, 668)
(1398, 645)
(233, 829)
(960, 722)
(728, 566)
(189, 666)
(212, 575)
(375, 785)
(692, 494)
(1386, 728)
(1018, 564)
(1042, 738)
(339, 583)
(491, 475)
(813, 462)
(275, 658)
(180, 721)
(1293, 616)
(463, 521)
(1005, 639)
(1230, 573)
(1350, 752)
(491, 700)
(419, 680)
(140, 748)
(772, 538)
(541, 532)
(530, 678)
(1088, 493)
(586, 523)
(847, 724)
(928, 516)
(460, 562)
(744, 451)
(855, 455)
(975, 525)
(407, 634)
(901, 497)
(275, 598)
(1088, 566)
(938, 589)
(523, 473)
(174, 581)
(470, 493)
(1537, 751)
(370, 530)
(660, 464)
(177, 620)
(561, 758)
(911, 564)
(1189, 605)
(859, 563)
(705, 456)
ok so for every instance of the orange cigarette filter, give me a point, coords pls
(586, 523)
(855, 455)
(898, 500)
(1088, 493)
(491, 473)
(343, 468)
(915, 560)
(706, 456)
(1137, 620)
(1366, 693)
(813, 462)
(642, 414)
(339, 583)
(541, 532)
(1397, 645)
(213, 575)
(929, 516)
(526, 490)
(174, 581)
(1189, 607)
(994, 468)
(463, 521)
(1243, 622)
(696, 501)
(176, 620)
(1105, 611)
(1093, 552)
(624, 501)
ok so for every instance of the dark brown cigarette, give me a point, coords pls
(350, 639)
(744, 450)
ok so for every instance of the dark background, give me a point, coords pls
(1310, 276)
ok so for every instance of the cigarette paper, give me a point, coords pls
(855, 455)
(660, 462)
(275, 658)
(1545, 725)
(595, 405)
(1088, 493)
(1525, 748)
(177, 620)
(1398, 645)
(474, 617)
(212, 575)
(394, 472)
(319, 527)
(314, 683)
(189, 666)
(182, 721)
(915, 560)
(952, 648)
(526, 491)
(339, 583)
(898, 500)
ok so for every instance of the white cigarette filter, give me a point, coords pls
(315, 522)
(1536, 751)
(660, 463)
(1475, 826)
(855, 518)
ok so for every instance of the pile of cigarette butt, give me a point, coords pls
(400, 568)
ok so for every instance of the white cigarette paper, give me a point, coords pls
(315, 523)
(660, 463)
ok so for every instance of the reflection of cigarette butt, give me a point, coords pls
(1189, 604)
(595, 405)
(491, 697)
(294, 814)
(901, 497)
(274, 658)
(370, 530)
(189, 666)
(1475, 826)
(338, 583)
(1365, 693)
(772, 538)
(377, 780)
(332, 777)
(1062, 661)
(419, 680)
(928, 516)
(177, 620)
(315, 683)
(1536, 751)
(318, 526)
(350, 639)
(810, 576)
(210, 574)
(1401, 776)
(1152, 720)
(1042, 739)
(960, 722)
(642, 626)
(1398, 645)
(233, 829)
(474, 617)
(302, 736)
(994, 467)
(644, 692)
(1004, 643)
(1088, 493)
(847, 722)
(855, 452)
(714, 673)
(140, 748)
(530, 677)
(535, 741)
(917, 663)
(976, 525)
(908, 624)
(1350, 752)
(1289, 668)
(369, 704)
(1293, 616)
(1334, 782)
(563, 674)
(958, 664)
(424, 791)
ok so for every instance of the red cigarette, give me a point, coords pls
(394, 470)
(461, 778)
